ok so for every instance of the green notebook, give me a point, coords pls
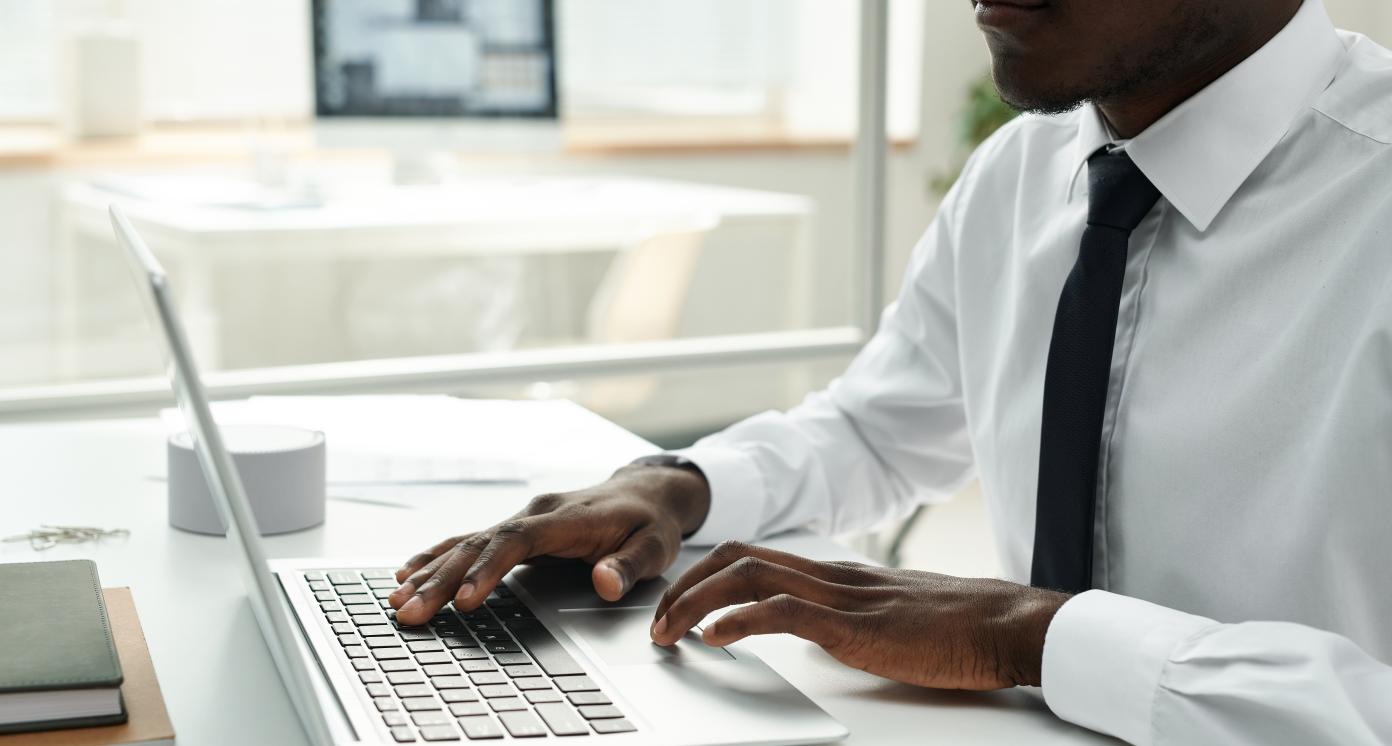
(58, 664)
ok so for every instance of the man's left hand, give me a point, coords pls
(916, 627)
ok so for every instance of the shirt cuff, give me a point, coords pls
(737, 494)
(1104, 655)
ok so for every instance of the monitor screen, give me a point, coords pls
(434, 58)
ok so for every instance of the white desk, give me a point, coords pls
(218, 679)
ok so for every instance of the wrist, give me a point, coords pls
(1027, 628)
(680, 487)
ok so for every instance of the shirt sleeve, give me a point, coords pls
(890, 433)
(1151, 675)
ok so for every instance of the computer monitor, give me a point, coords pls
(423, 77)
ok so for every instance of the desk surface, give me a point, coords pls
(218, 680)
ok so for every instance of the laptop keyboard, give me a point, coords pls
(490, 673)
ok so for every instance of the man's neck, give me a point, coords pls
(1130, 115)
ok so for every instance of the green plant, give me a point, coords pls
(983, 114)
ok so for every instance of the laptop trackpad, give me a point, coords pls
(619, 637)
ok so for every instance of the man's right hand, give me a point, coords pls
(630, 528)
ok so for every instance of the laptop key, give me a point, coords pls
(512, 659)
(323, 596)
(588, 698)
(413, 690)
(543, 695)
(488, 677)
(461, 642)
(385, 703)
(416, 634)
(343, 576)
(379, 690)
(503, 647)
(314, 575)
(478, 665)
(416, 704)
(441, 669)
(355, 651)
(468, 709)
(459, 695)
(377, 630)
(575, 684)
(561, 719)
(343, 628)
(433, 717)
(382, 583)
(405, 677)
(330, 606)
(613, 726)
(480, 727)
(383, 642)
(363, 620)
(470, 654)
(530, 684)
(335, 617)
(600, 712)
(381, 593)
(363, 664)
(400, 664)
(424, 646)
(505, 704)
(347, 640)
(370, 677)
(522, 724)
(403, 734)
(449, 682)
(520, 672)
(439, 733)
(371, 574)
(436, 657)
(549, 654)
(493, 691)
(394, 718)
(395, 652)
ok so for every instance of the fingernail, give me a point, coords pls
(661, 627)
(618, 575)
(410, 606)
(465, 590)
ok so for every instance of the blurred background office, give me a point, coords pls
(649, 206)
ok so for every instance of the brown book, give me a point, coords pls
(148, 722)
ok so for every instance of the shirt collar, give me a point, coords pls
(1199, 153)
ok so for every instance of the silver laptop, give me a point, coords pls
(543, 658)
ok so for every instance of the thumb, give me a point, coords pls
(643, 555)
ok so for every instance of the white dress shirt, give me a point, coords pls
(1243, 538)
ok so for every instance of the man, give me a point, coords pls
(1155, 315)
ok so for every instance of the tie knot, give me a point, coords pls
(1119, 195)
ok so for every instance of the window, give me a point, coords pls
(594, 273)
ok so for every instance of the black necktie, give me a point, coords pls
(1075, 381)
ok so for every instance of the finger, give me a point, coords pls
(421, 560)
(748, 579)
(407, 589)
(780, 614)
(729, 552)
(513, 542)
(437, 582)
(643, 555)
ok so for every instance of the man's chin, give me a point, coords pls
(1034, 96)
